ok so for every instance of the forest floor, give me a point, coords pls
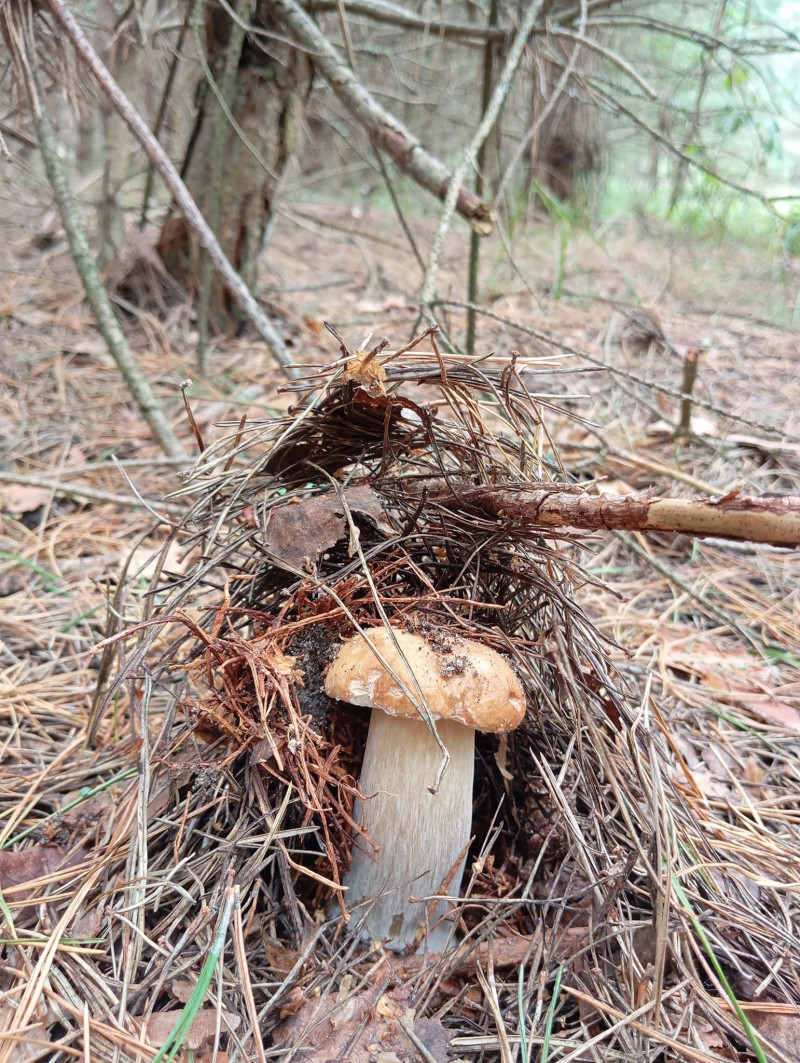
(706, 633)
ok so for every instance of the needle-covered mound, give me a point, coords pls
(591, 851)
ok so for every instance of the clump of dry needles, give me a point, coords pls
(609, 911)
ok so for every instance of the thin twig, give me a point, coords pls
(241, 293)
(490, 116)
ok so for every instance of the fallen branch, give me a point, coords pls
(389, 133)
(180, 193)
(768, 518)
(80, 493)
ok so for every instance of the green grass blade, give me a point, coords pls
(551, 1012)
(173, 1044)
(752, 1037)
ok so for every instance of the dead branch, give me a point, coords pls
(98, 299)
(772, 519)
(490, 115)
(9, 130)
(396, 15)
(158, 157)
(81, 493)
(388, 132)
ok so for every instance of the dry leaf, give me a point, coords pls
(23, 498)
(278, 956)
(781, 1030)
(21, 873)
(31, 864)
(87, 924)
(738, 679)
(379, 306)
(365, 370)
(299, 532)
(199, 1035)
(182, 989)
(362, 1028)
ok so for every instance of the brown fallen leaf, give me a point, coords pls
(736, 678)
(199, 1035)
(301, 530)
(378, 306)
(182, 988)
(22, 873)
(278, 956)
(23, 498)
(365, 370)
(780, 1030)
(363, 1027)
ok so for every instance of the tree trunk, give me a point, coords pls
(272, 84)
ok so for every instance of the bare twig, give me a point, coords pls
(92, 494)
(137, 383)
(490, 116)
(626, 374)
(162, 112)
(93, 63)
(389, 133)
(555, 96)
(694, 125)
(396, 15)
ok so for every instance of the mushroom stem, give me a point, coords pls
(421, 835)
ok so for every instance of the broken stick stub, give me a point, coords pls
(421, 838)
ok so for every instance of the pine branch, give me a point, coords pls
(389, 133)
(772, 519)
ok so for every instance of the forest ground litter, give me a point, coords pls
(703, 634)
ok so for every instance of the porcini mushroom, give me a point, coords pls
(421, 836)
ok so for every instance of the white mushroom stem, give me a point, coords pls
(421, 836)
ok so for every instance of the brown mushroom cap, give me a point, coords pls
(466, 681)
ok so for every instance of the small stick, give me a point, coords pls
(691, 364)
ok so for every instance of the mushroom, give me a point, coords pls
(421, 836)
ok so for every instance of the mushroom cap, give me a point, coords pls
(462, 680)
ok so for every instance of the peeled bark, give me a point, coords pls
(772, 519)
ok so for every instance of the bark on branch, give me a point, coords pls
(388, 132)
(396, 15)
(767, 518)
